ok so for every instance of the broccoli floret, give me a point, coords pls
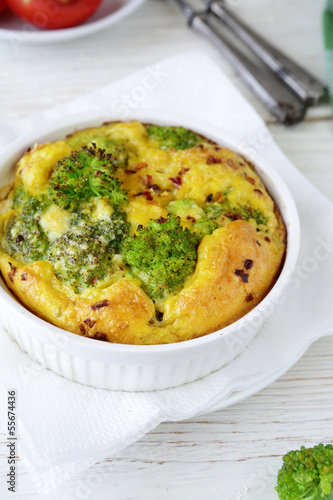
(162, 255)
(202, 227)
(25, 237)
(206, 219)
(20, 196)
(82, 175)
(173, 137)
(114, 229)
(307, 474)
(84, 255)
(215, 210)
(119, 152)
(81, 256)
(225, 209)
(247, 213)
(258, 217)
(186, 208)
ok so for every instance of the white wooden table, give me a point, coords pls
(234, 453)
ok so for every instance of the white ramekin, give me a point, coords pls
(131, 367)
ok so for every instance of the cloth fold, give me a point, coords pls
(64, 427)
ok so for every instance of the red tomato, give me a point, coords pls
(3, 5)
(54, 14)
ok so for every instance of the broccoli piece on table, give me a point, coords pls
(307, 474)
(173, 137)
(82, 175)
(84, 255)
(162, 255)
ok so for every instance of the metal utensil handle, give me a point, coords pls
(280, 102)
(308, 88)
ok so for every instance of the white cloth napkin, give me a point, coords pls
(64, 427)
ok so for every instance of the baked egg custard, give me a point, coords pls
(139, 234)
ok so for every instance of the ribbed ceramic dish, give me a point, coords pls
(137, 367)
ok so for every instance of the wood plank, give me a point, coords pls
(34, 78)
(190, 459)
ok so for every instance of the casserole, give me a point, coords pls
(131, 367)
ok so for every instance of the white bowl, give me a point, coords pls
(139, 367)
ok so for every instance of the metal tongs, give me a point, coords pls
(286, 89)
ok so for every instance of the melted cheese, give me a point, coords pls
(101, 210)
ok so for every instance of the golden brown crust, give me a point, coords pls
(225, 286)
(237, 264)
(226, 283)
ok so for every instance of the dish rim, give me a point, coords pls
(62, 35)
(60, 128)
